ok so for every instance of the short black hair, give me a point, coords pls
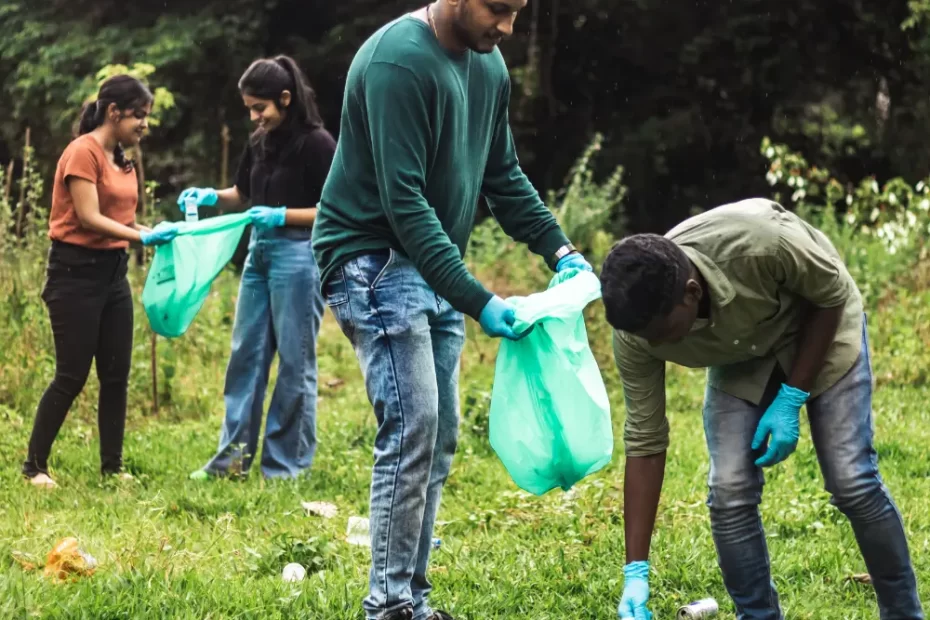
(643, 277)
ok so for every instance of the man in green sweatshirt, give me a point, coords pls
(424, 134)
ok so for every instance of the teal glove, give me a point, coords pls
(635, 592)
(266, 218)
(161, 234)
(497, 320)
(205, 196)
(781, 420)
(573, 261)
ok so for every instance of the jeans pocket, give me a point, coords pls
(372, 267)
(335, 290)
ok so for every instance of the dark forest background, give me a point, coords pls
(683, 91)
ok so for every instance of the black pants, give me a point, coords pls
(90, 306)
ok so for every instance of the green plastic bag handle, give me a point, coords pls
(576, 289)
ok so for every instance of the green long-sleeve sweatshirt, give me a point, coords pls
(424, 132)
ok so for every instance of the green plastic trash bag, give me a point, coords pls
(550, 419)
(180, 276)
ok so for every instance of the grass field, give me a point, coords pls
(172, 548)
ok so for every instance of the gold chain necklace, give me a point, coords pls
(429, 18)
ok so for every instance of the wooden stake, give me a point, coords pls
(140, 173)
(140, 261)
(224, 169)
(154, 375)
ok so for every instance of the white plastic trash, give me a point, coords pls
(358, 532)
(293, 572)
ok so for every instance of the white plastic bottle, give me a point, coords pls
(190, 210)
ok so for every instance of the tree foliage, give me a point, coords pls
(682, 91)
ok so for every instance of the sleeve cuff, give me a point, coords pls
(646, 443)
(473, 301)
(548, 243)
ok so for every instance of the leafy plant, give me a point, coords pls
(314, 554)
(882, 230)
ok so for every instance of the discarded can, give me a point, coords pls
(704, 608)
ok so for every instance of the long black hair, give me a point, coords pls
(128, 93)
(268, 78)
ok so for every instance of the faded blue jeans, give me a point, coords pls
(408, 341)
(279, 310)
(842, 433)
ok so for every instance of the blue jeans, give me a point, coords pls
(842, 432)
(279, 310)
(408, 342)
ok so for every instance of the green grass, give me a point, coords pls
(169, 547)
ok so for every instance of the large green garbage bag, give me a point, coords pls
(182, 271)
(550, 416)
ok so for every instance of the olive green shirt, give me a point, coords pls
(760, 262)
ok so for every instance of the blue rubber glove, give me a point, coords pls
(497, 320)
(205, 196)
(266, 218)
(161, 234)
(781, 420)
(635, 592)
(573, 261)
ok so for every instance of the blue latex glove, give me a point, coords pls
(161, 234)
(266, 218)
(573, 261)
(781, 420)
(635, 592)
(497, 320)
(205, 196)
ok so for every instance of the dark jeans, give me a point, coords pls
(842, 433)
(90, 306)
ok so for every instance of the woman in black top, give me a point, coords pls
(279, 308)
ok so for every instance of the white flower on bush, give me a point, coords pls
(850, 218)
(875, 187)
(849, 199)
(770, 152)
(874, 215)
(798, 195)
(924, 205)
(892, 199)
(771, 178)
(911, 219)
(791, 181)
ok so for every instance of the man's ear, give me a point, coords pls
(694, 290)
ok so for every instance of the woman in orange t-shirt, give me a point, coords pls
(92, 222)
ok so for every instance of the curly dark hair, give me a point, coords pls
(643, 277)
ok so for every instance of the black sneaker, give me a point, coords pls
(404, 613)
(440, 615)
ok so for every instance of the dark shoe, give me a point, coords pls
(440, 615)
(404, 613)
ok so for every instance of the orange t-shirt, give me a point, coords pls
(117, 194)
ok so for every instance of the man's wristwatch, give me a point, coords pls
(562, 252)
